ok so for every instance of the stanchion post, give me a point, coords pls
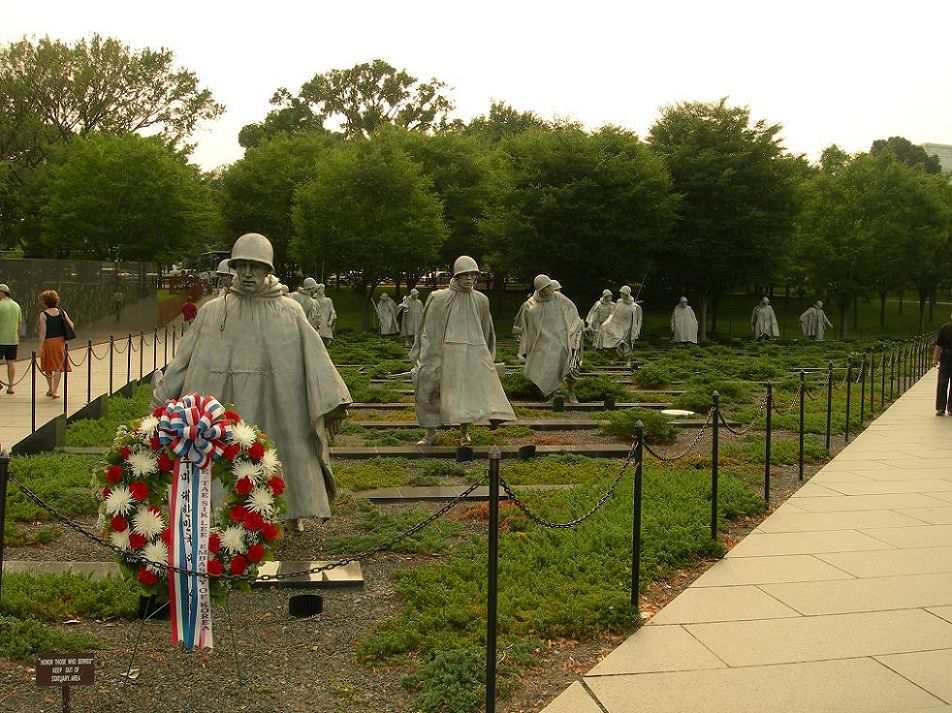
(892, 371)
(636, 516)
(494, 456)
(155, 349)
(141, 352)
(862, 392)
(4, 479)
(849, 384)
(872, 382)
(129, 358)
(173, 343)
(715, 414)
(767, 443)
(165, 346)
(65, 367)
(803, 390)
(111, 354)
(89, 370)
(829, 403)
(882, 383)
(33, 389)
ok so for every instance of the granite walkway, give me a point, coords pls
(840, 601)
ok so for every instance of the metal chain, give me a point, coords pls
(18, 381)
(792, 406)
(132, 345)
(95, 355)
(81, 361)
(579, 520)
(672, 459)
(115, 346)
(745, 429)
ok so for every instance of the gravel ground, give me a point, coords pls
(269, 661)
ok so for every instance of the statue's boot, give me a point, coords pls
(429, 439)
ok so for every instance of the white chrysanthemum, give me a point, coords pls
(119, 501)
(233, 540)
(243, 434)
(156, 552)
(260, 501)
(243, 468)
(120, 539)
(148, 426)
(142, 463)
(147, 522)
(122, 433)
(269, 462)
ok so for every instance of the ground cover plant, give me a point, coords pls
(117, 410)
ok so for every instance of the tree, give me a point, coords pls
(500, 122)
(584, 208)
(120, 198)
(738, 190)
(258, 190)
(359, 100)
(369, 209)
(907, 152)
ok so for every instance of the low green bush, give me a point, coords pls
(621, 424)
(63, 481)
(117, 410)
(519, 388)
(22, 639)
(57, 597)
(599, 388)
(376, 528)
(651, 376)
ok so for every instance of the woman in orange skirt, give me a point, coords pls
(53, 361)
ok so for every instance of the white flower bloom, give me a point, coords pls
(233, 540)
(148, 426)
(270, 463)
(120, 539)
(147, 522)
(242, 468)
(260, 501)
(142, 463)
(243, 434)
(119, 501)
(156, 552)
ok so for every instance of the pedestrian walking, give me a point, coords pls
(11, 320)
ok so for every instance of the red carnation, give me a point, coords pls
(166, 537)
(237, 513)
(106, 492)
(269, 531)
(232, 416)
(165, 463)
(118, 523)
(125, 452)
(139, 490)
(155, 443)
(231, 451)
(114, 474)
(147, 576)
(256, 552)
(215, 568)
(137, 540)
(277, 484)
(244, 485)
(253, 521)
(214, 543)
(238, 564)
(256, 452)
(159, 411)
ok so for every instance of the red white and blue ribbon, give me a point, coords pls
(195, 430)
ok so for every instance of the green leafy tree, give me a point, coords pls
(584, 208)
(359, 100)
(907, 152)
(500, 122)
(120, 198)
(369, 210)
(738, 189)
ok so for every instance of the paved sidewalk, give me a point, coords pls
(840, 601)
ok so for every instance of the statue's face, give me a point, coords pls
(250, 274)
(765, 301)
(466, 280)
(546, 292)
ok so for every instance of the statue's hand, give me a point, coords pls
(334, 419)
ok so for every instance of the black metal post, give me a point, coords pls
(141, 352)
(636, 517)
(33, 398)
(89, 370)
(155, 349)
(4, 479)
(862, 392)
(494, 456)
(849, 384)
(882, 383)
(129, 358)
(872, 382)
(829, 403)
(110, 364)
(165, 347)
(892, 371)
(802, 395)
(715, 415)
(173, 342)
(65, 368)
(767, 443)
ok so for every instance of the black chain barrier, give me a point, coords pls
(686, 451)
(746, 429)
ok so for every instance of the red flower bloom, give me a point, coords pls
(147, 576)
(139, 490)
(231, 451)
(155, 443)
(159, 411)
(238, 564)
(215, 568)
(232, 416)
(256, 452)
(137, 540)
(106, 492)
(165, 463)
(256, 552)
(125, 452)
(244, 485)
(114, 474)
(269, 531)
(253, 521)
(118, 523)
(277, 484)
(154, 510)
(237, 513)
(166, 536)
(214, 543)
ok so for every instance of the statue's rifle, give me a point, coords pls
(641, 285)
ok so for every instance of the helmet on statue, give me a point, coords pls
(253, 247)
(463, 264)
(541, 282)
(309, 283)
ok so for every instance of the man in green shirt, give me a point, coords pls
(10, 320)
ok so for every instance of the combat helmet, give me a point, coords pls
(464, 263)
(309, 283)
(223, 269)
(254, 247)
(541, 282)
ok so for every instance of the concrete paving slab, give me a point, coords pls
(892, 486)
(868, 594)
(845, 686)
(845, 503)
(913, 537)
(574, 699)
(804, 543)
(947, 497)
(929, 669)
(734, 571)
(783, 521)
(942, 612)
(810, 638)
(814, 490)
(891, 563)
(901, 474)
(703, 604)
(658, 648)
(839, 476)
(933, 516)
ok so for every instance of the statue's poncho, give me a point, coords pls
(814, 322)
(454, 378)
(683, 324)
(623, 327)
(597, 315)
(308, 305)
(411, 316)
(553, 333)
(763, 322)
(386, 310)
(326, 316)
(258, 352)
(519, 326)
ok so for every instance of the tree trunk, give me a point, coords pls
(843, 306)
(856, 313)
(786, 296)
(922, 309)
(714, 302)
(882, 311)
(932, 299)
(396, 288)
(702, 320)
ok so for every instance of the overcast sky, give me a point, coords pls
(836, 71)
